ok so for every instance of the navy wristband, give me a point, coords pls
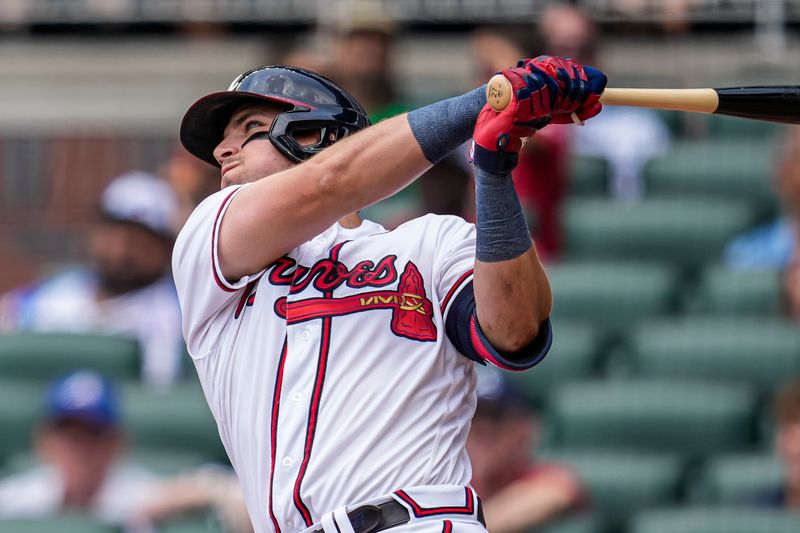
(443, 126)
(501, 230)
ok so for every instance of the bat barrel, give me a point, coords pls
(697, 100)
(775, 104)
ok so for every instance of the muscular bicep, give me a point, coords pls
(277, 213)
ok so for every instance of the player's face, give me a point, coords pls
(244, 162)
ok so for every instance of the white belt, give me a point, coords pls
(428, 502)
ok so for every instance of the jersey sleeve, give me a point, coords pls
(204, 293)
(454, 261)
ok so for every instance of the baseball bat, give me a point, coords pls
(775, 103)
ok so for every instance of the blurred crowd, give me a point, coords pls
(124, 288)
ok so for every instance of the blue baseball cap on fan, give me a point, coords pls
(85, 396)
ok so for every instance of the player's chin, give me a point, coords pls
(232, 177)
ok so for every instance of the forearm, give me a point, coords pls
(512, 293)
(512, 300)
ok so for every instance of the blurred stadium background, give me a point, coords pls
(658, 388)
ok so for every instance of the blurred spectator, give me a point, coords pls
(191, 179)
(791, 289)
(82, 467)
(80, 447)
(362, 62)
(772, 246)
(207, 488)
(518, 492)
(787, 444)
(541, 175)
(672, 15)
(627, 137)
(126, 289)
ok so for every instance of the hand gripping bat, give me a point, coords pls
(773, 103)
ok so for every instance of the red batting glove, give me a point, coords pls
(498, 135)
(579, 87)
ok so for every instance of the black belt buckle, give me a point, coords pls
(374, 518)
(365, 519)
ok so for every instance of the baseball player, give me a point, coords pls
(337, 356)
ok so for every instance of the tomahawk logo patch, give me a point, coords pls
(411, 310)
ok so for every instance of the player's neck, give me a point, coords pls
(351, 221)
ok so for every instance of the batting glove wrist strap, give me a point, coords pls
(494, 163)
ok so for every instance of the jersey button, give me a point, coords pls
(290, 524)
(297, 396)
(287, 461)
(306, 335)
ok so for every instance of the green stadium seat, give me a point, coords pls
(169, 462)
(674, 120)
(58, 524)
(621, 483)
(21, 405)
(660, 415)
(725, 127)
(44, 356)
(177, 419)
(165, 462)
(395, 207)
(574, 355)
(736, 479)
(681, 231)
(726, 291)
(588, 176)
(715, 520)
(716, 169)
(191, 524)
(612, 294)
(758, 351)
(572, 524)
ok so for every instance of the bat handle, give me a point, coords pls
(498, 92)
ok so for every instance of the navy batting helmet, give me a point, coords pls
(313, 103)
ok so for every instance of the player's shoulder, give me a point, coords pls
(211, 204)
(205, 215)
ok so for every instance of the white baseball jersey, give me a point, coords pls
(329, 373)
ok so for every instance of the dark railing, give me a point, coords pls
(22, 12)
